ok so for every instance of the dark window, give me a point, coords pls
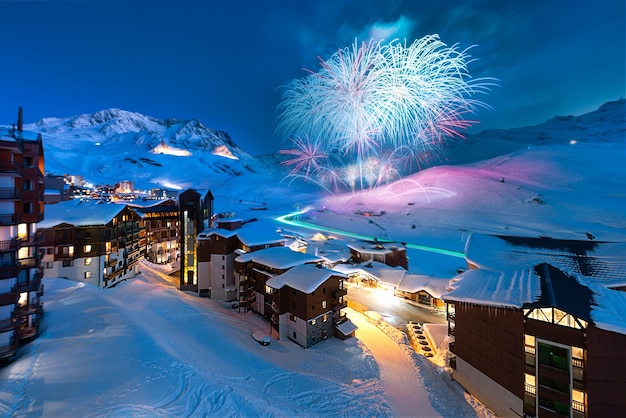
(27, 208)
(324, 290)
(312, 307)
(294, 335)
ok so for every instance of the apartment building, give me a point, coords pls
(306, 303)
(195, 211)
(218, 247)
(537, 326)
(93, 242)
(21, 208)
(162, 224)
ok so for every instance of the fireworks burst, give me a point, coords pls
(375, 99)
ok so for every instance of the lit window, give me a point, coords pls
(325, 318)
(22, 231)
(313, 321)
(87, 261)
(530, 379)
(23, 300)
(22, 253)
(88, 248)
(87, 274)
(323, 304)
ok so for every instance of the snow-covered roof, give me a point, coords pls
(382, 272)
(305, 278)
(374, 247)
(603, 261)
(250, 233)
(277, 258)
(79, 213)
(346, 327)
(434, 286)
(511, 289)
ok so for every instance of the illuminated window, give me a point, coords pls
(268, 290)
(325, 318)
(88, 248)
(87, 261)
(313, 321)
(22, 253)
(87, 274)
(22, 231)
(323, 304)
(23, 300)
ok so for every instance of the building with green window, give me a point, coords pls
(537, 326)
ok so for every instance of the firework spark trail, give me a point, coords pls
(378, 99)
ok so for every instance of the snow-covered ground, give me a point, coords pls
(144, 348)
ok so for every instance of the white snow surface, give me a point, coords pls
(144, 348)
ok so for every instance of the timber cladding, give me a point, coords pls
(492, 340)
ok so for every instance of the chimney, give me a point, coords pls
(20, 120)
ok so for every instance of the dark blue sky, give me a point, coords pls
(223, 62)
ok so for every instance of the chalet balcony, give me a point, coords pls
(339, 293)
(9, 298)
(10, 193)
(8, 219)
(7, 324)
(8, 350)
(26, 332)
(11, 167)
(7, 271)
(30, 309)
(27, 263)
(9, 245)
(339, 306)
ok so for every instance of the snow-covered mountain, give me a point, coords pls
(113, 145)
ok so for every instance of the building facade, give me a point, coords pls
(21, 208)
(96, 243)
(195, 211)
(544, 338)
(162, 225)
(305, 304)
(217, 249)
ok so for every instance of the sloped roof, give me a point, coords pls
(510, 289)
(277, 258)
(80, 213)
(563, 291)
(602, 261)
(305, 278)
(250, 233)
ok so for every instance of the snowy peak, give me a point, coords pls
(117, 125)
(114, 144)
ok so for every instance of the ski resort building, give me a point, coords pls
(195, 211)
(305, 304)
(21, 208)
(217, 249)
(302, 300)
(92, 242)
(162, 223)
(391, 253)
(538, 326)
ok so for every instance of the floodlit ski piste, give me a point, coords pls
(376, 111)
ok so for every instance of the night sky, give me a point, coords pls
(224, 62)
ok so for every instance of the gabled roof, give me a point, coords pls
(80, 213)
(305, 278)
(563, 291)
(251, 234)
(277, 258)
(509, 289)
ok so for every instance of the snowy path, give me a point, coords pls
(402, 384)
